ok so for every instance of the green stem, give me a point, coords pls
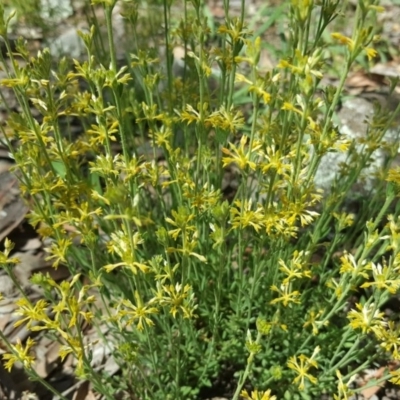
(246, 372)
(168, 54)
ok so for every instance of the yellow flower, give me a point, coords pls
(351, 266)
(371, 53)
(395, 377)
(389, 338)
(343, 388)
(297, 267)
(238, 155)
(190, 115)
(343, 40)
(383, 278)
(302, 367)
(31, 313)
(286, 296)
(58, 251)
(367, 318)
(137, 314)
(125, 246)
(21, 354)
(228, 120)
(312, 321)
(256, 395)
(276, 162)
(177, 298)
(4, 255)
(290, 107)
(243, 216)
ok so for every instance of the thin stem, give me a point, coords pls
(246, 372)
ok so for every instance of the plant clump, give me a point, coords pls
(193, 280)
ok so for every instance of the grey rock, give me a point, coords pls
(55, 10)
(352, 124)
(68, 43)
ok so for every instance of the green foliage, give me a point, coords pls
(25, 9)
(194, 284)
